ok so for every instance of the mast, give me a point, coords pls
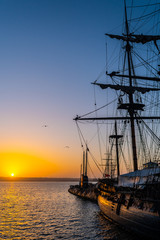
(131, 110)
(86, 165)
(117, 152)
(116, 136)
(84, 177)
(83, 163)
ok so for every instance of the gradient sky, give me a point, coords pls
(50, 52)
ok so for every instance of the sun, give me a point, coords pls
(12, 174)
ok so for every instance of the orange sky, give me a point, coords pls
(26, 165)
(50, 53)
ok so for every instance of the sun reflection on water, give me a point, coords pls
(14, 210)
(40, 210)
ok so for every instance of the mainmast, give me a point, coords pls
(131, 109)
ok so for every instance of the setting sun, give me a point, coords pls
(16, 164)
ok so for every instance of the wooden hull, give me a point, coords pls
(140, 221)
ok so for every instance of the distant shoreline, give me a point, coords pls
(36, 179)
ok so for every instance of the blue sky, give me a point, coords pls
(50, 52)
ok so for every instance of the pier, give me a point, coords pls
(90, 192)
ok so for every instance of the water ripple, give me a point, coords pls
(40, 210)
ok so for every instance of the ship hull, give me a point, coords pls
(140, 221)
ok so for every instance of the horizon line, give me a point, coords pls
(53, 179)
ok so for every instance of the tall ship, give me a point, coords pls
(131, 197)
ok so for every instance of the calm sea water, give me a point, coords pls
(45, 210)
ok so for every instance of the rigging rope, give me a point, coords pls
(99, 108)
(92, 171)
(149, 14)
(98, 129)
(136, 54)
(157, 139)
(148, 5)
(127, 168)
(143, 23)
(143, 144)
(95, 162)
(82, 137)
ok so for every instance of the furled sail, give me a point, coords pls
(127, 89)
(135, 38)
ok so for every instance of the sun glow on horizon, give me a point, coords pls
(16, 164)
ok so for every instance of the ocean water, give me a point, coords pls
(45, 210)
